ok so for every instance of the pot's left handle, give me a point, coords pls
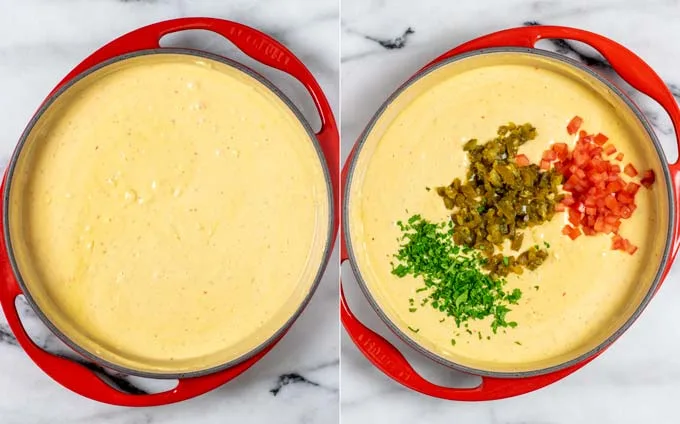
(82, 380)
(255, 44)
(387, 358)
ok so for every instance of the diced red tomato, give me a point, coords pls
(648, 178)
(626, 212)
(597, 178)
(599, 224)
(549, 155)
(617, 242)
(545, 165)
(611, 204)
(620, 243)
(609, 149)
(598, 198)
(522, 160)
(568, 200)
(625, 198)
(574, 217)
(632, 188)
(574, 125)
(561, 150)
(580, 158)
(611, 219)
(600, 139)
(614, 186)
(630, 170)
(571, 232)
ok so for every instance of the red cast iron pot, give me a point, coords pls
(260, 47)
(383, 354)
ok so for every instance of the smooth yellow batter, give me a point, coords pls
(586, 290)
(169, 213)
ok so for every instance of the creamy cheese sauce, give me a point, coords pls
(169, 213)
(585, 290)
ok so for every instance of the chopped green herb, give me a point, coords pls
(506, 261)
(453, 276)
(421, 289)
(412, 309)
(442, 320)
(427, 188)
(546, 244)
(518, 343)
(479, 334)
(453, 342)
(536, 287)
(415, 330)
(410, 301)
(513, 297)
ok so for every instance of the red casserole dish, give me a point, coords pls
(260, 47)
(497, 385)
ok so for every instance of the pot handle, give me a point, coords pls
(629, 66)
(81, 380)
(255, 44)
(387, 358)
(260, 47)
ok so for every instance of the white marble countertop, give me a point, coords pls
(638, 379)
(40, 41)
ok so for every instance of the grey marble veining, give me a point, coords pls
(637, 380)
(40, 41)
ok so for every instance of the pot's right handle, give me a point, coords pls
(629, 66)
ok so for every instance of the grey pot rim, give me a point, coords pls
(328, 244)
(583, 358)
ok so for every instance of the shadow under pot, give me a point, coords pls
(168, 213)
(584, 295)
